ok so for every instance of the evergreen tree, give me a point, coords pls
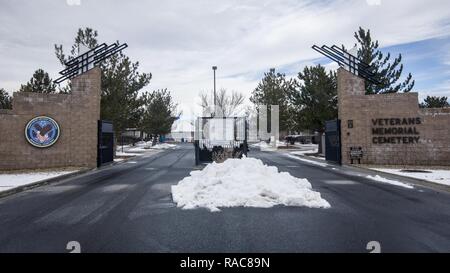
(435, 102)
(121, 82)
(387, 72)
(5, 99)
(159, 113)
(39, 83)
(85, 38)
(275, 89)
(315, 99)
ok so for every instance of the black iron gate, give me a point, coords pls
(105, 146)
(217, 139)
(333, 141)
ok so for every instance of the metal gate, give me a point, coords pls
(105, 146)
(333, 141)
(217, 139)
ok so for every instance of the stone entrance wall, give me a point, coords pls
(391, 129)
(77, 115)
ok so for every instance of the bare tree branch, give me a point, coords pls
(227, 104)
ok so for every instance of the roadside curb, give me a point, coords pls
(43, 182)
(57, 179)
(368, 171)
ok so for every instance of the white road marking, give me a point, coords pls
(308, 161)
(340, 182)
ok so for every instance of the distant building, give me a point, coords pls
(182, 130)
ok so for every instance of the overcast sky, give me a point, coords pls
(179, 41)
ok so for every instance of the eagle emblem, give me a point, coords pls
(42, 132)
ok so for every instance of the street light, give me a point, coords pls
(214, 69)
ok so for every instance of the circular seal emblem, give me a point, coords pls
(42, 132)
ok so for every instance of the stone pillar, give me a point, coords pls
(85, 113)
(351, 89)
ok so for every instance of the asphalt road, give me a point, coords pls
(128, 208)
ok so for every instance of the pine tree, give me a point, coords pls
(315, 99)
(85, 38)
(275, 89)
(159, 113)
(387, 72)
(5, 99)
(121, 83)
(39, 83)
(435, 102)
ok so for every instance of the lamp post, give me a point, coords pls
(214, 69)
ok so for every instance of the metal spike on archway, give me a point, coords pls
(89, 60)
(349, 62)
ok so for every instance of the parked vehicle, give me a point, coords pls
(302, 139)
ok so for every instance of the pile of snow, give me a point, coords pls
(245, 182)
(436, 176)
(163, 146)
(388, 181)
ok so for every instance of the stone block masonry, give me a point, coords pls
(77, 115)
(391, 128)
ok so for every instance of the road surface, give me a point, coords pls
(128, 208)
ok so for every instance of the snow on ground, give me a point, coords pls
(142, 143)
(145, 146)
(436, 176)
(304, 152)
(264, 146)
(137, 149)
(312, 152)
(163, 146)
(281, 143)
(125, 154)
(261, 144)
(142, 147)
(13, 180)
(124, 147)
(300, 149)
(306, 146)
(245, 182)
(321, 164)
(388, 181)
